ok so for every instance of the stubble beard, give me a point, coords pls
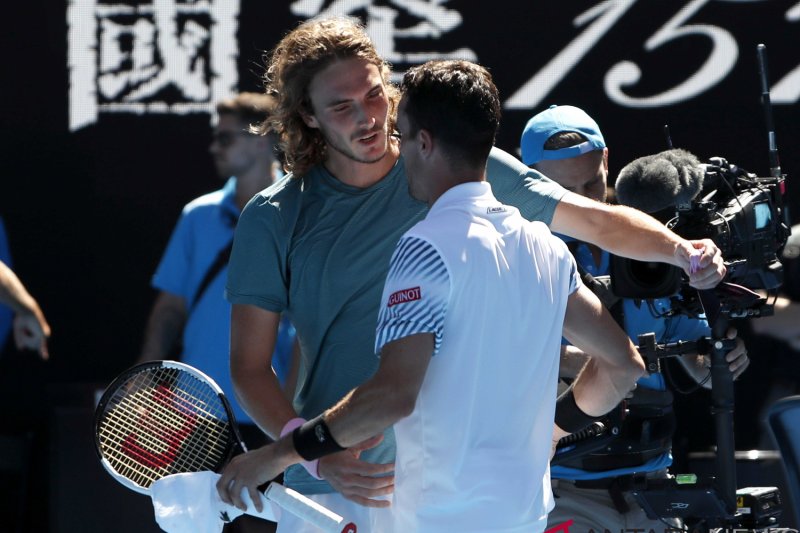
(350, 154)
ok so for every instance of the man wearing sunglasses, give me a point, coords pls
(190, 318)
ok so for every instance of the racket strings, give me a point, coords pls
(161, 422)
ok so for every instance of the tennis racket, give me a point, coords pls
(164, 417)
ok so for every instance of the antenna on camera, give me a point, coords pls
(668, 137)
(774, 161)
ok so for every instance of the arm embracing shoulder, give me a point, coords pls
(618, 229)
(630, 233)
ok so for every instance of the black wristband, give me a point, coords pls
(569, 416)
(313, 440)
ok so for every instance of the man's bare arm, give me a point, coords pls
(253, 335)
(364, 412)
(164, 326)
(630, 233)
(615, 364)
(31, 330)
(572, 362)
(388, 396)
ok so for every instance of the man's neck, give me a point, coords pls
(436, 194)
(253, 181)
(357, 174)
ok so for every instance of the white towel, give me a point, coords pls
(189, 503)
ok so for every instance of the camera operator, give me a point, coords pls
(566, 145)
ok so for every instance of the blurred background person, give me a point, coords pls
(190, 319)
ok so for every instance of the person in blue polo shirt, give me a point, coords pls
(190, 314)
(566, 145)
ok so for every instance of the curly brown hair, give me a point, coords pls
(294, 62)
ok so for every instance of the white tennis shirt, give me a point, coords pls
(493, 288)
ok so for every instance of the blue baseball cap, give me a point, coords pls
(557, 119)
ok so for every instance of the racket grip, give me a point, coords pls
(308, 509)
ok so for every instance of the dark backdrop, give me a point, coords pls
(89, 209)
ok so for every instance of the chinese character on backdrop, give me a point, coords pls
(430, 20)
(158, 56)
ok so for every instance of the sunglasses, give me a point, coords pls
(226, 138)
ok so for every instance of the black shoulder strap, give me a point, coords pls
(218, 265)
(213, 271)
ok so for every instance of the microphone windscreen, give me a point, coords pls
(655, 182)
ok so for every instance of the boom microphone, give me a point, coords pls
(655, 182)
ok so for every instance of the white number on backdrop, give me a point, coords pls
(787, 90)
(535, 89)
(724, 52)
(719, 63)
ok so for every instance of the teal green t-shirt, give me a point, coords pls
(319, 251)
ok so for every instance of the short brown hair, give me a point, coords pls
(564, 139)
(252, 108)
(457, 102)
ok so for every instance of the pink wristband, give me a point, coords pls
(311, 466)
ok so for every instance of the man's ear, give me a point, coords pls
(425, 142)
(309, 119)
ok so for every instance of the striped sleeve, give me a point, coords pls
(415, 295)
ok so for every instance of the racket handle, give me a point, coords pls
(308, 509)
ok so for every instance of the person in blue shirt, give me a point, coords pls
(566, 145)
(190, 314)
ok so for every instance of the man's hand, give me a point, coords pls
(698, 365)
(31, 331)
(249, 471)
(737, 358)
(358, 480)
(702, 261)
